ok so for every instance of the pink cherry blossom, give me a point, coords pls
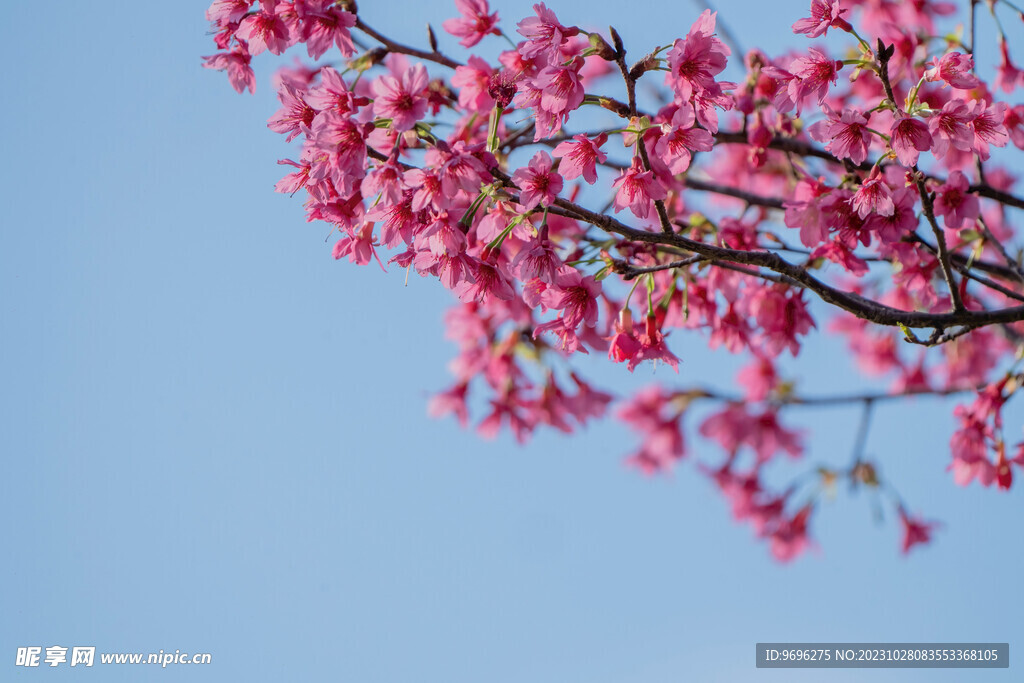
(909, 137)
(949, 128)
(580, 157)
(847, 134)
(637, 190)
(544, 33)
(537, 260)
(696, 60)
(1013, 121)
(812, 75)
(265, 29)
(359, 248)
(916, 531)
(538, 184)
(804, 211)
(789, 538)
(825, 14)
(623, 346)
(954, 69)
(295, 114)
(1008, 76)
(324, 24)
(758, 378)
(873, 197)
(680, 139)
(954, 203)
(476, 22)
(575, 295)
(560, 88)
(652, 347)
(987, 125)
(452, 401)
(901, 221)
(403, 101)
(473, 81)
(236, 63)
(228, 11)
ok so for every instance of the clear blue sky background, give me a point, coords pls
(215, 439)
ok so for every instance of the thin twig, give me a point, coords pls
(392, 46)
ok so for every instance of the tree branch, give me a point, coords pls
(392, 46)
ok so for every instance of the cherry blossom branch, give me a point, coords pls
(630, 80)
(793, 275)
(834, 399)
(883, 54)
(940, 239)
(859, 306)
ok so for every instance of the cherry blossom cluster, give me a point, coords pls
(864, 192)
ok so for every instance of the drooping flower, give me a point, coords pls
(788, 539)
(358, 247)
(652, 347)
(916, 531)
(452, 401)
(236, 63)
(623, 346)
(1013, 121)
(1008, 76)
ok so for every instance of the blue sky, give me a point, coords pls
(216, 437)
